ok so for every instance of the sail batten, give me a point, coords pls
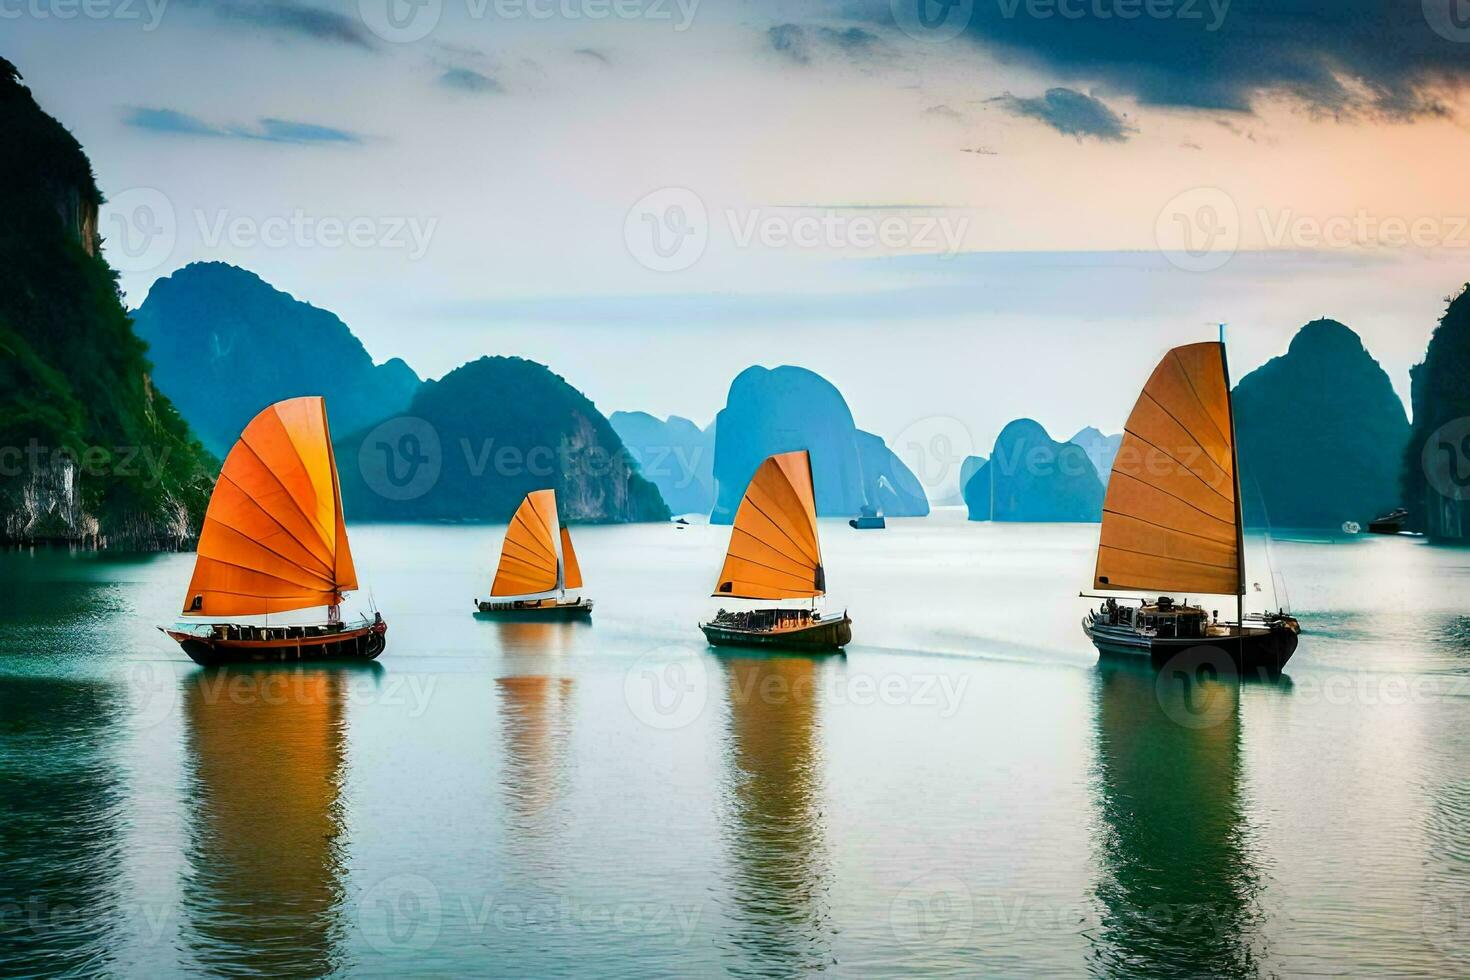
(1171, 518)
(774, 552)
(274, 538)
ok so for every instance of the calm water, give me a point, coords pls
(966, 792)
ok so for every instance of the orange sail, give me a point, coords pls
(774, 552)
(528, 558)
(571, 571)
(1171, 519)
(273, 538)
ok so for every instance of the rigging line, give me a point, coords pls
(311, 522)
(1195, 391)
(1166, 493)
(1171, 558)
(514, 549)
(550, 533)
(1182, 465)
(1185, 429)
(269, 516)
(772, 568)
(800, 560)
(1165, 527)
(327, 575)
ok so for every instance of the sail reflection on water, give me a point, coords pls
(779, 867)
(267, 758)
(1177, 887)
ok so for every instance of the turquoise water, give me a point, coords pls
(968, 791)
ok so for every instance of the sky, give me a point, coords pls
(959, 212)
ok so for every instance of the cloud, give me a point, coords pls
(594, 54)
(1340, 58)
(291, 17)
(944, 112)
(269, 130)
(468, 80)
(1072, 113)
(799, 43)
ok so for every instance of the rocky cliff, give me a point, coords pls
(1321, 433)
(225, 344)
(1030, 477)
(1434, 476)
(775, 410)
(90, 453)
(676, 455)
(471, 445)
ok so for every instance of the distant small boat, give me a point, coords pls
(774, 554)
(274, 541)
(1390, 523)
(1172, 523)
(538, 567)
(868, 520)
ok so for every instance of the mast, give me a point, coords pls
(1235, 472)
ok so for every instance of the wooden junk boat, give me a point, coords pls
(538, 567)
(774, 554)
(273, 542)
(1171, 524)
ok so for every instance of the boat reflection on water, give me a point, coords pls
(267, 759)
(536, 728)
(777, 854)
(1177, 887)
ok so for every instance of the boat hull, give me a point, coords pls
(268, 645)
(551, 612)
(1252, 650)
(829, 635)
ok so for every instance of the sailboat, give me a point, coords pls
(538, 566)
(274, 541)
(1171, 524)
(774, 554)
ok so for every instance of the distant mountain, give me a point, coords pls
(1100, 449)
(1034, 479)
(676, 455)
(774, 410)
(1321, 433)
(225, 344)
(102, 458)
(475, 442)
(1435, 470)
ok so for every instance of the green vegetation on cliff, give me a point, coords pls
(88, 450)
(1435, 473)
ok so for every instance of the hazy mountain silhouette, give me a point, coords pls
(1321, 433)
(774, 410)
(475, 442)
(1034, 478)
(676, 455)
(225, 344)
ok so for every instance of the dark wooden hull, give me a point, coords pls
(1251, 650)
(560, 612)
(363, 643)
(829, 635)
